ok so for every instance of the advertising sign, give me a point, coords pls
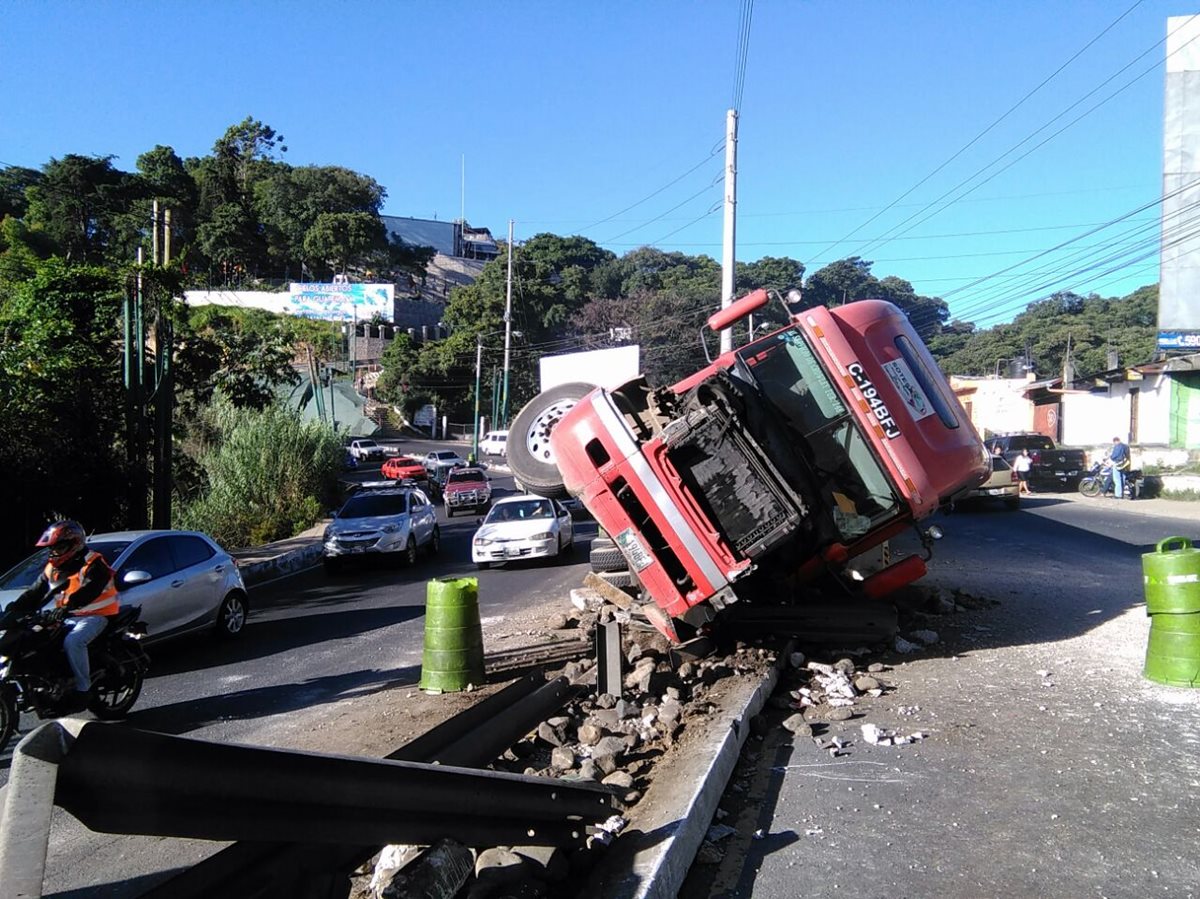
(1179, 276)
(605, 368)
(341, 301)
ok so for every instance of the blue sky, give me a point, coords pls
(607, 120)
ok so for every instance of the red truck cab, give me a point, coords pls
(795, 452)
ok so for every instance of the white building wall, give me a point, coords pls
(998, 406)
(1154, 410)
(1094, 418)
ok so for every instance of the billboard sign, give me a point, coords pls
(1179, 340)
(1179, 278)
(341, 302)
(605, 368)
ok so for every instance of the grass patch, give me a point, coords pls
(1191, 496)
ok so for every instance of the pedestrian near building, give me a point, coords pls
(1021, 466)
(1118, 456)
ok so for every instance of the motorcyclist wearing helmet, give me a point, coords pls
(85, 596)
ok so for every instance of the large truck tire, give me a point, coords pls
(605, 557)
(529, 455)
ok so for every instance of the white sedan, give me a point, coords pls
(522, 527)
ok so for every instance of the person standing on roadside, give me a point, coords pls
(1021, 466)
(1119, 457)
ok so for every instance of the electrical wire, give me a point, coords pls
(868, 246)
(985, 131)
(745, 17)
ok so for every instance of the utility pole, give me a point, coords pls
(507, 327)
(728, 255)
(135, 445)
(478, 367)
(164, 387)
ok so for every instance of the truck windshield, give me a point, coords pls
(792, 379)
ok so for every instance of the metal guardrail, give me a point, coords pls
(120, 780)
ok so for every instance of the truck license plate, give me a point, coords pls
(632, 547)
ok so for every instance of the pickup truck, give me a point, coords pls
(778, 463)
(365, 450)
(467, 488)
(1053, 466)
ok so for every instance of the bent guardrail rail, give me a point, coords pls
(115, 779)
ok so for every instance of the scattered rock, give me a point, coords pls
(562, 758)
(719, 832)
(797, 725)
(903, 646)
(623, 780)
(551, 734)
(928, 638)
(709, 854)
(865, 683)
(589, 734)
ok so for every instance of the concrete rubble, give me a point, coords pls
(616, 740)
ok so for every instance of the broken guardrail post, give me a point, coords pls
(610, 668)
(28, 805)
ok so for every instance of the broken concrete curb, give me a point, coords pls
(681, 803)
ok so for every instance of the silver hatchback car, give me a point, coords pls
(182, 580)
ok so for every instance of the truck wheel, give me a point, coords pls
(529, 454)
(620, 579)
(606, 557)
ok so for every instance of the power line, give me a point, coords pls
(745, 17)
(985, 131)
(650, 196)
(867, 247)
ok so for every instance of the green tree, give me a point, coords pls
(289, 200)
(338, 240)
(14, 181)
(76, 203)
(61, 401)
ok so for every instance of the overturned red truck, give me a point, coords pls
(776, 464)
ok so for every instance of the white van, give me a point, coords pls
(494, 443)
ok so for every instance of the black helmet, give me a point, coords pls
(65, 538)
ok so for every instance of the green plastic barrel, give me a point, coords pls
(1172, 584)
(453, 656)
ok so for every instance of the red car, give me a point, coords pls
(401, 467)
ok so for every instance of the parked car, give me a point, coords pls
(442, 460)
(466, 488)
(1052, 466)
(494, 443)
(366, 450)
(522, 527)
(403, 467)
(1003, 484)
(182, 580)
(391, 520)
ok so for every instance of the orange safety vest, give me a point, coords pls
(104, 604)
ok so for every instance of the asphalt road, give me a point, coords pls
(1051, 767)
(311, 640)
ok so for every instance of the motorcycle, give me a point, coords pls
(36, 677)
(1099, 482)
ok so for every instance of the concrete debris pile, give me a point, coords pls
(597, 737)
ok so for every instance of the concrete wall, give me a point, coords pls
(1094, 418)
(997, 405)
